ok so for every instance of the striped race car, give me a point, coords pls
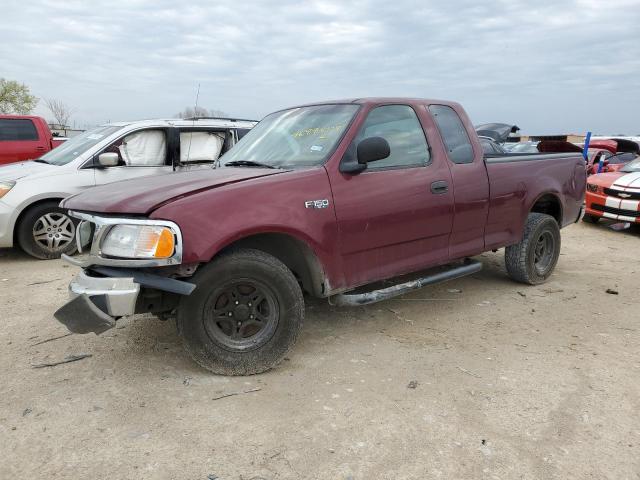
(614, 195)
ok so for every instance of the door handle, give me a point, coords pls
(439, 187)
(40, 149)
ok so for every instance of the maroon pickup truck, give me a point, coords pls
(328, 199)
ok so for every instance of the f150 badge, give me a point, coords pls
(324, 203)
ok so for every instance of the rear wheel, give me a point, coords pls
(533, 259)
(243, 316)
(590, 218)
(46, 231)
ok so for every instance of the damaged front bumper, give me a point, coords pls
(97, 302)
(101, 295)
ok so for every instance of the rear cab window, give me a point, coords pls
(17, 129)
(454, 135)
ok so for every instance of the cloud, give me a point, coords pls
(548, 66)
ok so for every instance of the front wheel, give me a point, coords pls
(533, 259)
(46, 231)
(244, 315)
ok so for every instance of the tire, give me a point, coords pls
(46, 231)
(533, 259)
(590, 218)
(257, 291)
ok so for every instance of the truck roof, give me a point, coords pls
(376, 100)
(379, 100)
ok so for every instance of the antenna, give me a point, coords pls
(197, 97)
(195, 115)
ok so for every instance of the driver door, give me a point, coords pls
(394, 217)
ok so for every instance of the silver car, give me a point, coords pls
(31, 191)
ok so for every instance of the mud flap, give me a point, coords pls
(82, 315)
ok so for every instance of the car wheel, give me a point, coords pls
(590, 218)
(243, 316)
(534, 258)
(46, 231)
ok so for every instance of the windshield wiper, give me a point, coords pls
(247, 163)
(39, 160)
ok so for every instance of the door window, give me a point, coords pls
(200, 146)
(453, 133)
(144, 148)
(16, 129)
(398, 125)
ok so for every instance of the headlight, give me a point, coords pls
(592, 187)
(139, 241)
(5, 187)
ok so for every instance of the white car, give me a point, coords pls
(31, 191)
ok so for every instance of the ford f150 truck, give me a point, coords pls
(23, 137)
(329, 199)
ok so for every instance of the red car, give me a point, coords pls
(24, 137)
(617, 153)
(614, 195)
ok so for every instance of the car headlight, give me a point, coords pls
(5, 186)
(592, 187)
(139, 241)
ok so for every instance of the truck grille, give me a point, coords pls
(627, 195)
(617, 211)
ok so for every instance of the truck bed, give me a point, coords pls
(519, 180)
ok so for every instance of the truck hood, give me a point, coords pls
(616, 145)
(14, 171)
(143, 195)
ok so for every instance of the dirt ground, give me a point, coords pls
(480, 378)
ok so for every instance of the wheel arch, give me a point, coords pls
(26, 208)
(295, 253)
(550, 204)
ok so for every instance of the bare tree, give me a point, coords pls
(198, 112)
(60, 111)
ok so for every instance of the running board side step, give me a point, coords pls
(352, 300)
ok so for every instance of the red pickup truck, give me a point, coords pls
(24, 137)
(327, 199)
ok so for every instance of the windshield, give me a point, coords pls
(632, 167)
(624, 157)
(76, 146)
(295, 138)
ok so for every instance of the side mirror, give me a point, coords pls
(108, 159)
(372, 149)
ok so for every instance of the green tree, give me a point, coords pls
(16, 98)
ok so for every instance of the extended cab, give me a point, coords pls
(23, 137)
(326, 199)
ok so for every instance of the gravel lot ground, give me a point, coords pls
(509, 382)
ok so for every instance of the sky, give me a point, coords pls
(547, 66)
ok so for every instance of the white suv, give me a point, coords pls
(31, 191)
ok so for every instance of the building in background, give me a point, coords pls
(64, 130)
